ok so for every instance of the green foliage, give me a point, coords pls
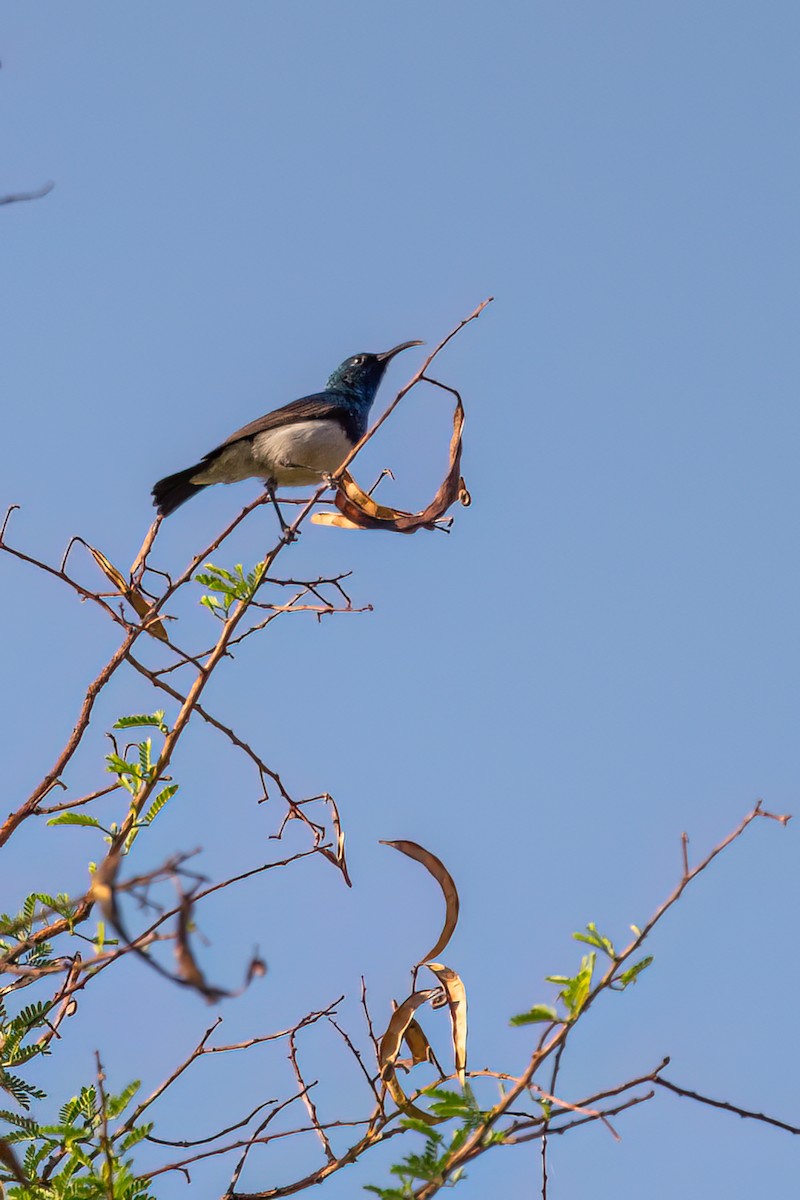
(15, 1052)
(159, 802)
(74, 818)
(134, 773)
(430, 1165)
(22, 1092)
(138, 771)
(80, 1157)
(575, 988)
(539, 1012)
(20, 928)
(633, 973)
(229, 587)
(154, 720)
(593, 938)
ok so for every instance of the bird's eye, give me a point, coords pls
(359, 359)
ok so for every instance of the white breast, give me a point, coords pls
(292, 456)
(300, 454)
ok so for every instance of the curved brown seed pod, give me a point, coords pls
(445, 880)
(457, 1003)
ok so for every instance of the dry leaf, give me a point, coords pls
(337, 856)
(457, 1003)
(357, 509)
(445, 881)
(139, 603)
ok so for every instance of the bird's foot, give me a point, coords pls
(287, 533)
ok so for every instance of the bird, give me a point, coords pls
(292, 446)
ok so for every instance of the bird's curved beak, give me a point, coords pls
(387, 354)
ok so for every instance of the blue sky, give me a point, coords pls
(604, 653)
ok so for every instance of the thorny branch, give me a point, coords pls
(474, 1145)
(528, 1109)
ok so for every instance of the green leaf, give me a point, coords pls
(87, 1101)
(230, 586)
(539, 1012)
(118, 1104)
(22, 1092)
(30, 1015)
(594, 938)
(159, 802)
(74, 818)
(26, 1124)
(156, 720)
(633, 973)
(575, 989)
(145, 748)
(421, 1127)
(211, 604)
(129, 774)
(136, 1135)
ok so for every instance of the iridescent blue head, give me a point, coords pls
(360, 376)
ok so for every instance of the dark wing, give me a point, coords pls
(322, 406)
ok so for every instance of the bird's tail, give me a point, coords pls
(173, 491)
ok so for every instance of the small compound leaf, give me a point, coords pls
(74, 818)
(593, 937)
(633, 973)
(539, 1012)
(161, 799)
(457, 1003)
(135, 720)
(445, 880)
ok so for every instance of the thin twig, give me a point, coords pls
(724, 1104)
(309, 1103)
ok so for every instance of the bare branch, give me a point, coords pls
(724, 1104)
